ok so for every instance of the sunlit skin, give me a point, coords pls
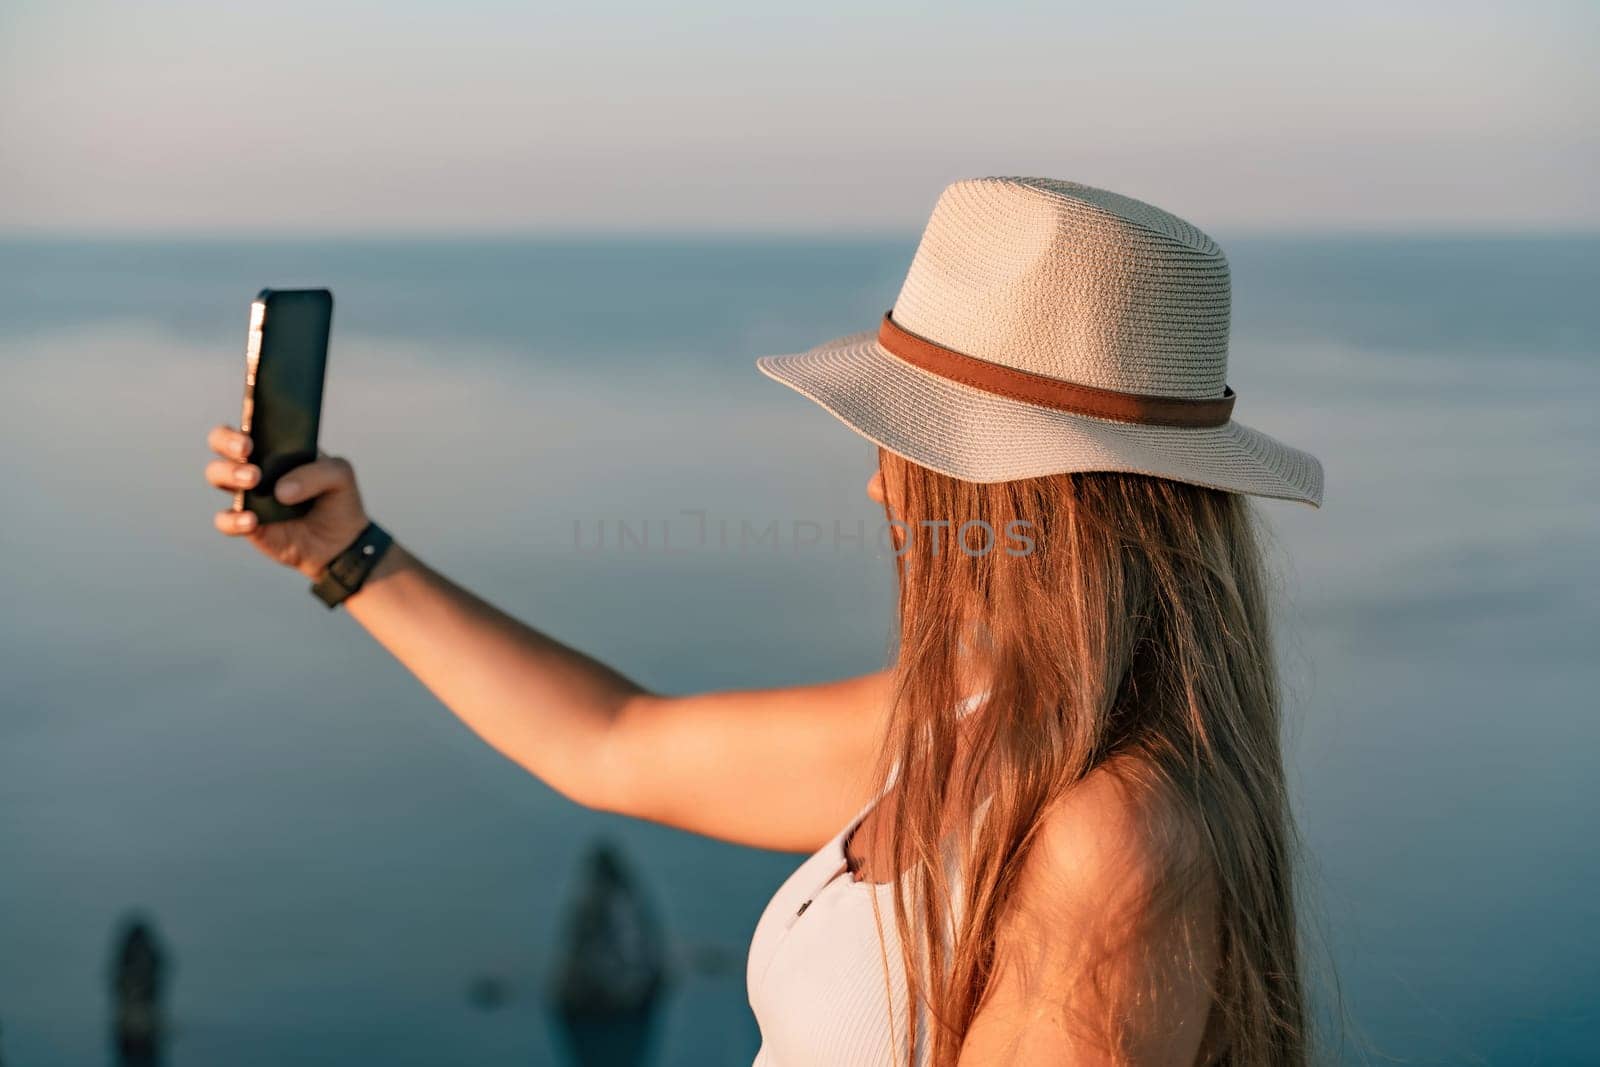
(780, 768)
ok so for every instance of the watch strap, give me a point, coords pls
(348, 571)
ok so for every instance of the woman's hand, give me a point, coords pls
(306, 544)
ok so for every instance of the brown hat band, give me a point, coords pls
(1052, 392)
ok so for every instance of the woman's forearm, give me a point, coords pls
(724, 764)
(542, 704)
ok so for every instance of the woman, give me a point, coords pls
(1056, 830)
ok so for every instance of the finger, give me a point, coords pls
(314, 479)
(235, 523)
(226, 474)
(226, 441)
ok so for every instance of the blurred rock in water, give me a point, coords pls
(138, 975)
(611, 973)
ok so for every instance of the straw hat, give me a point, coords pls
(1046, 327)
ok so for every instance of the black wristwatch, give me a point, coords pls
(347, 571)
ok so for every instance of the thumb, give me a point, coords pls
(317, 478)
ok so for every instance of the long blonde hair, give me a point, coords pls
(1132, 632)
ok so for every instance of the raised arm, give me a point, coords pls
(778, 768)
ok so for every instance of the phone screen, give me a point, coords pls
(286, 358)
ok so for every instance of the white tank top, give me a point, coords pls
(817, 979)
(816, 976)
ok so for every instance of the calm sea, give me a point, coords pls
(333, 861)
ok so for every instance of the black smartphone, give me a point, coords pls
(285, 362)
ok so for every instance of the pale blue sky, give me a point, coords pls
(291, 116)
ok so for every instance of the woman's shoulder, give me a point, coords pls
(1115, 836)
(1105, 921)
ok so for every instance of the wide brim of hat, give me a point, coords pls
(978, 436)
